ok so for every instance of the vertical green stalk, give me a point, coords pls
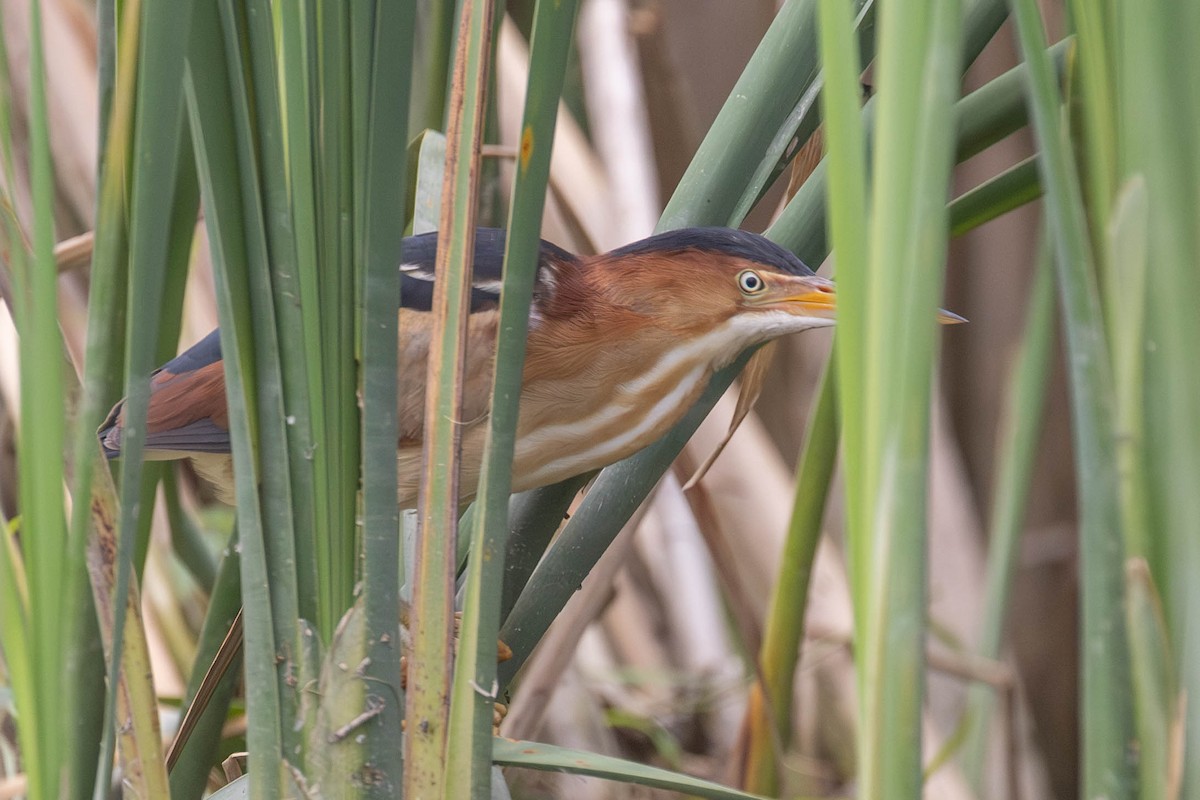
(237, 187)
(433, 593)
(41, 681)
(107, 297)
(1019, 431)
(334, 196)
(158, 122)
(434, 52)
(106, 68)
(264, 736)
(475, 682)
(297, 95)
(847, 215)
(383, 181)
(282, 248)
(1160, 145)
(1107, 722)
(784, 629)
(1095, 78)
(42, 445)
(918, 68)
(1127, 244)
(218, 110)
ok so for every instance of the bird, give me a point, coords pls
(619, 346)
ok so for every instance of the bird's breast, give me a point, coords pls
(415, 342)
(579, 422)
(583, 405)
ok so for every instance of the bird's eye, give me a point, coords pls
(750, 282)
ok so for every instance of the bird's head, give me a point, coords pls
(732, 287)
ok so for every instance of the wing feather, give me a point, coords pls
(187, 411)
(188, 414)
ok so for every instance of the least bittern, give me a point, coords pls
(620, 345)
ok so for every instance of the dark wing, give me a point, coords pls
(187, 406)
(187, 395)
(420, 254)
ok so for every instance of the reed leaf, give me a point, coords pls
(1107, 722)
(847, 204)
(1154, 72)
(382, 177)
(1127, 243)
(330, 540)
(35, 619)
(534, 755)
(157, 132)
(885, 411)
(427, 769)
(1012, 188)
(260, 70)
(771, 728)
(209, 96)
(1019, 440)
(330, 103)
(475, 668)
(289, 551)
(984, 117)
(107, 302)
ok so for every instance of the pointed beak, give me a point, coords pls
(813, 296)
(817, 297)
(949, 317)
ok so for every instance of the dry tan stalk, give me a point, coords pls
(139, 737)
(12, 786)
(620, 126)
(68, 34)
(573, 717)
(580, 191)
(673, 120)
(10, 377)
(75, 252)
(172, 642)
(633, 623)
(554, 653)
(678, 562)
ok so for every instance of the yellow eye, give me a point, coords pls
(750, 282)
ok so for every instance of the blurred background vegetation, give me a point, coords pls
(1059, 543)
